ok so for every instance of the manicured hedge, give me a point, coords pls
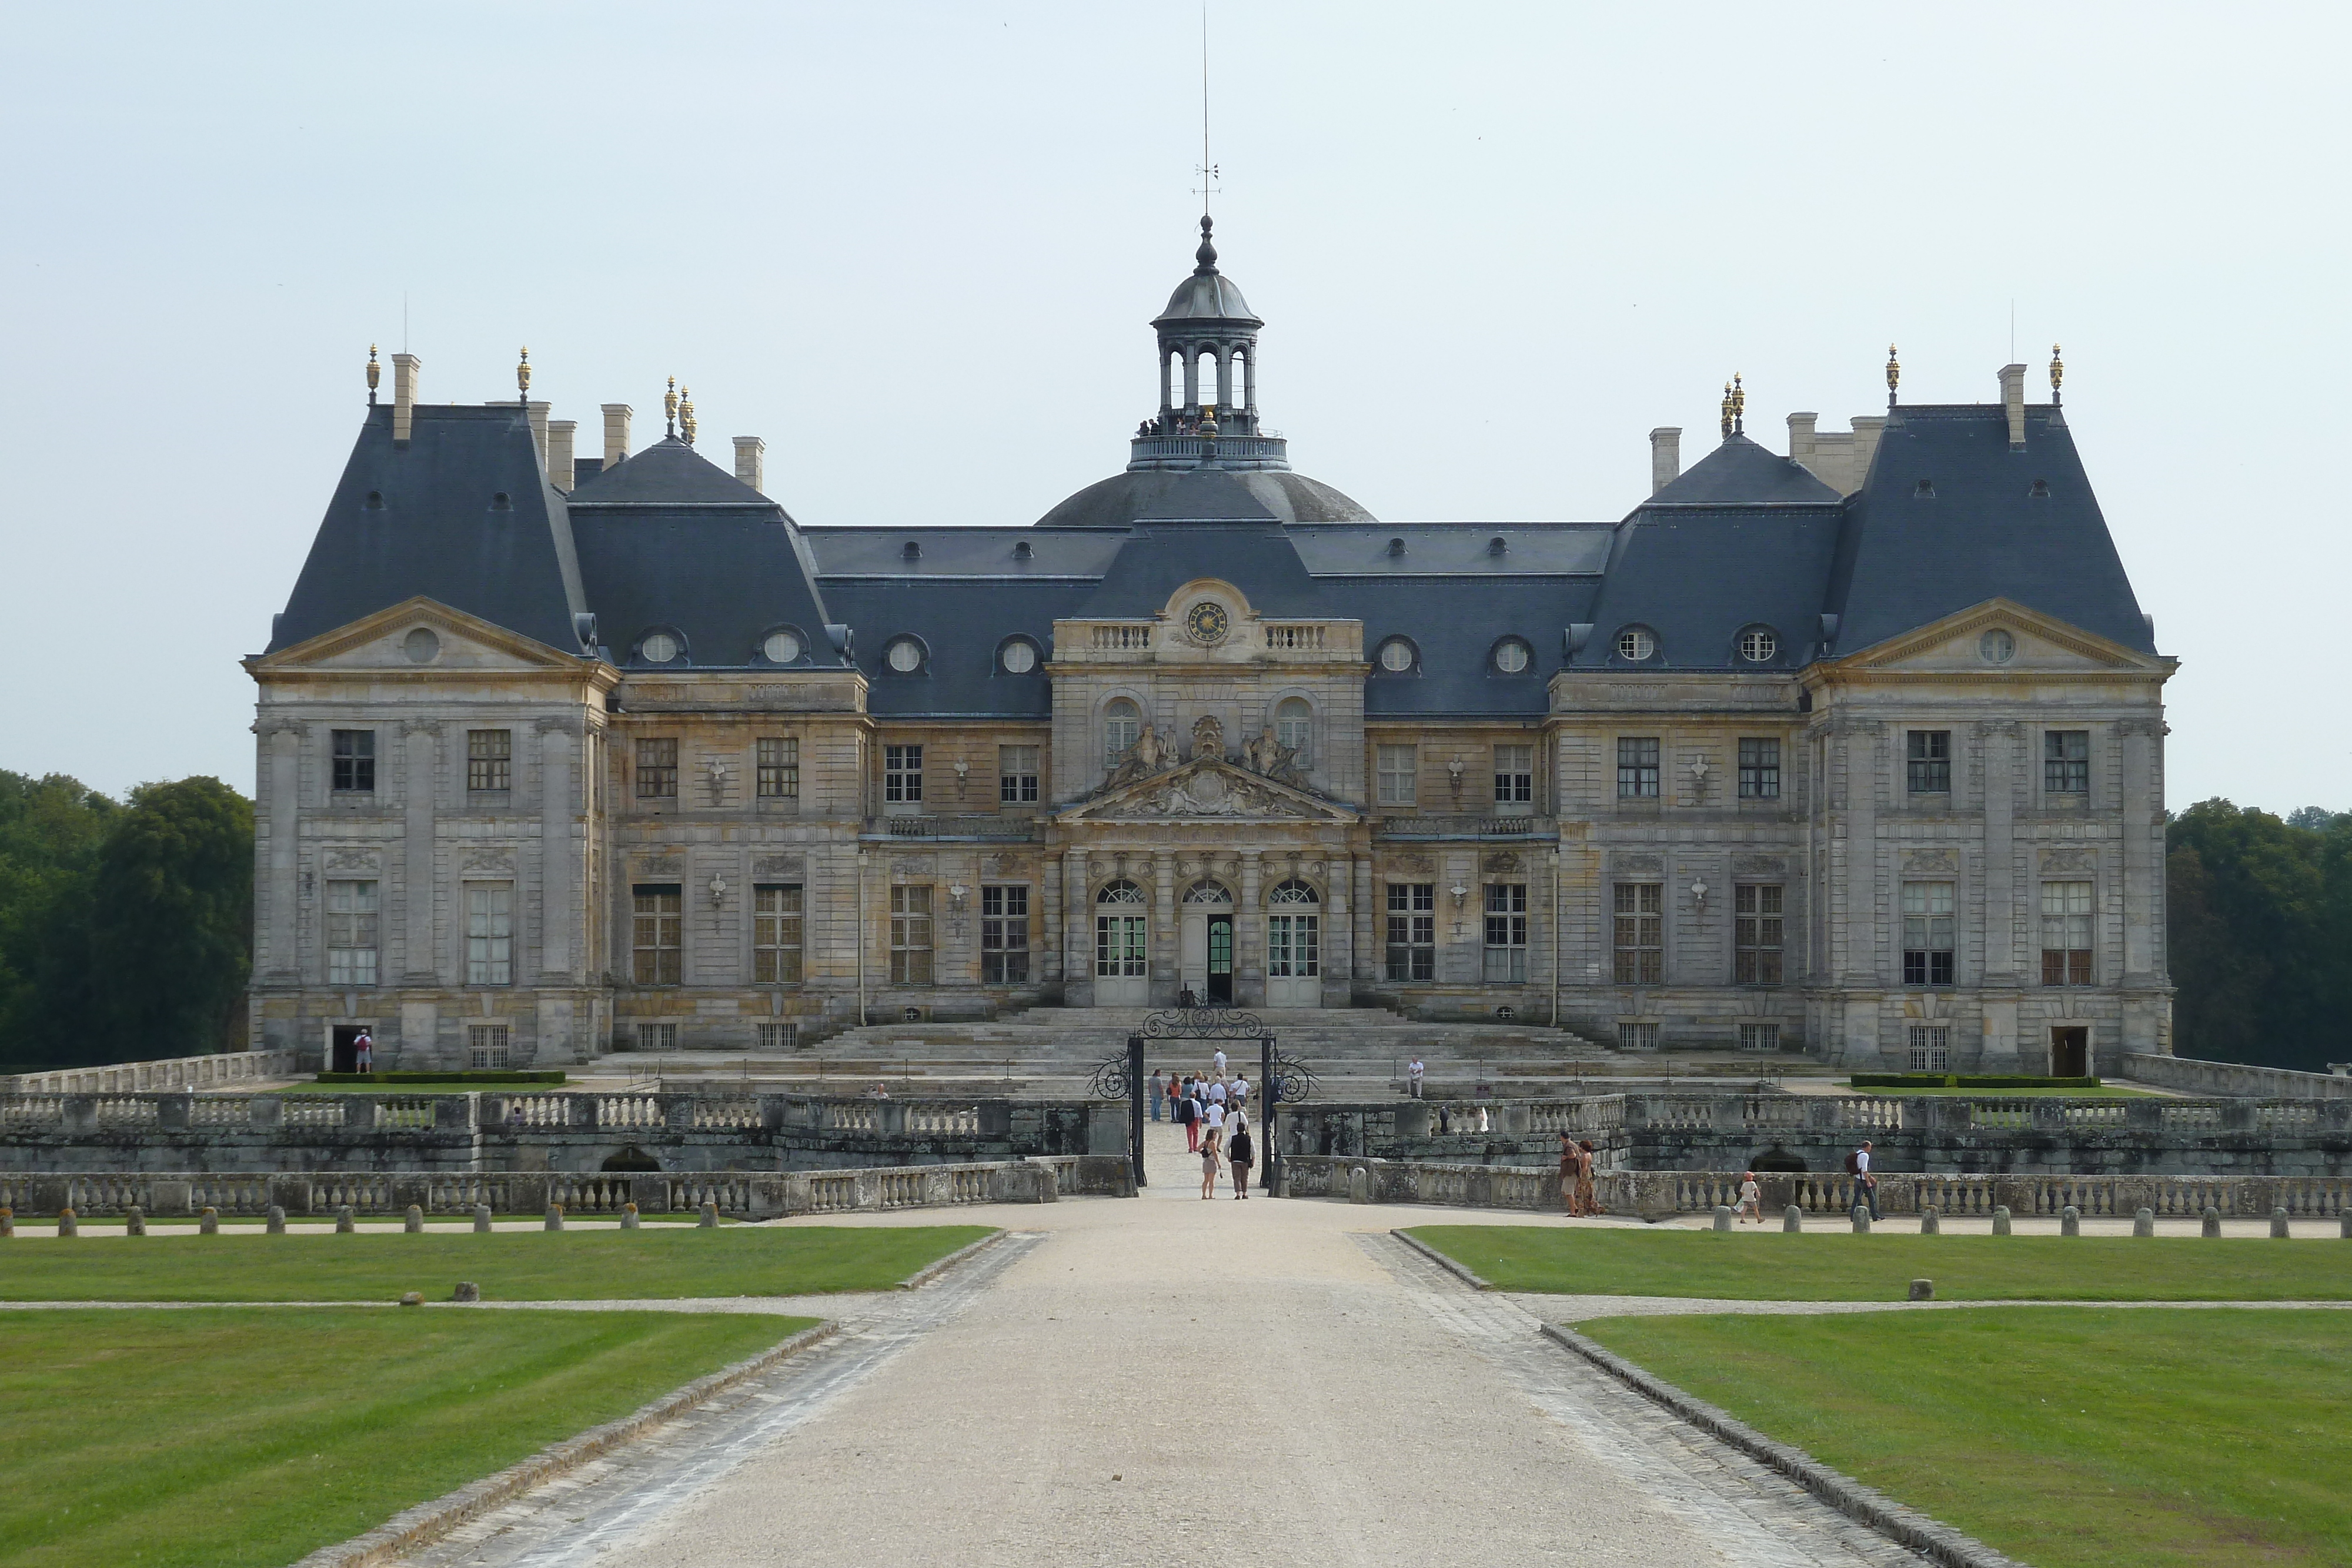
(453, 1076)
(1966, 1080)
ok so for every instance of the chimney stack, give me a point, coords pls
(403, 395)
(616, 435)
(560, 435)
(751, 462)
(1801, 443)
(537, 411)
(2012, 398)
(1666, 457)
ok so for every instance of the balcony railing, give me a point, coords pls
(992, 829)
(1462, 827)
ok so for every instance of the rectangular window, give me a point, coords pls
(780, 769)
(1004, 936)
(657, 1036)
(350, 932)
(1641, 933)
(1016, 775)
(2065, 932)
(354, 761)
(1514, 775)
(658, 934)
(1756, 935)
(1928, 758)
(489, 934)
(657, 770)
(779, 1037)
(489, 760)
(902, 775)
(1760, 1037)
(1398, 765)
(1412, 931)
(1637, 1037)
(486, 1045)
(2066, 761)
(776, 916)
(1506, 934)
(1637, 768)
(1760, 769)
(911, 931)
(1927, 928)
(1931, 1048)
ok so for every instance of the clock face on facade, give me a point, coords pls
(1207, 621)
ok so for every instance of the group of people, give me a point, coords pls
(1212, 1107)
(1857, 1166)
(1576, 1176)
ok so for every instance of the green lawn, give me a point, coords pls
(510, 1266)
(1828, 1265)
(225, 1438)
(2067, 1438)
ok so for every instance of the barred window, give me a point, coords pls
(1412, 931)
(1004, 936)
(1756, 923)
(1928, 933)
(658, 934)
(1016, 775)
(779, 1037)
(354, 759)
(489, 934)
(1637, 1037)
(1931, 1048)
(1398, 766)
(486, 1046)
(1927, 757)
(2066, 761)
(1514, 775)
(1637, 768)
(352, 932)
(2066, 934)
(1760, 1037)
(902, 773)
(1641, 932)
(777, 913)
(911, 935)
(657, 770)
(1506, 934)
(780, 769)
(489, 760)
(657, 1036)
(1760, 769)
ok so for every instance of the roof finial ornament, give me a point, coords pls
(1207, 255)
(1893, 375)
(2057, 373)
(1739, 406)
(375, 374)
(1727, 410)
(522, 375)
(669, 408)
(686, 416)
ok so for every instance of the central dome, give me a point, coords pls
(1204, 495)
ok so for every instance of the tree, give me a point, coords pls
(171, 925)
(2260, 936)
(50, 834)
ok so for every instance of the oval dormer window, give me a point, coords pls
(1511, 655)
(1758, 645)
(904, 655)
(421, 645)
(1635, 644)
(1020, 657)
(1996, 647)
(659, 648)
(1396, 655)
(782, 647)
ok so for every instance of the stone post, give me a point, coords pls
(1049, 898)
(1249, 939)
(1164, 933)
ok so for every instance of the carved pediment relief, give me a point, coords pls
(2084, 861)
(780, 865)
(1207, 789)
(1931, 860)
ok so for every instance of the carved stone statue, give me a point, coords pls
(1266, 754)
(1208, 738)
(1151, 753)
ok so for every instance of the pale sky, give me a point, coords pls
(916, 245)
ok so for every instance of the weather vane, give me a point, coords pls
(1205, 169)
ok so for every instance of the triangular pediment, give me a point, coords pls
(383, 642)
(1207, 791)
(2035, 643)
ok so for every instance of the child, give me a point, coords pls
(1751, 1199)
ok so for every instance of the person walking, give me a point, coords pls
(1216, 1092)
(1865, 1184)
(1238, 1095)
(1209, 1165)
(1220, 1062)
(1240, 1155)
(1568, 1165)
(1188, 1111)
(1751, 1199)
(1159, 1093)
(1216, 1125)
(1413, 1074)
(1587, 1200)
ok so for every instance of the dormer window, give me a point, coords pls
(910, 550)
(1637, 644)
(1923, 491)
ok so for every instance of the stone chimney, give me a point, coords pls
(1867, 429)
(2013, 398)
(751, 462)
(616, 435)
(1666, 457)
(1801, 437)
(537, 411)
(403, 395)
(560, 435)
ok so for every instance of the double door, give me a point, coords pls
(1294, 961)
(1122, 961)
(1207, 964)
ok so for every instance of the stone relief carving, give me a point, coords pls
(664, 863)
(1151, 753)
(1500, 861)
(1758, 865)
(1628, 866)
(905, 866)
(1211, 794)
(1266, 754)
(497, 861)
(2070, 859)
(780, 865)
(1931, 860)
(1420, 864)
(1208, 737)
(354, 859)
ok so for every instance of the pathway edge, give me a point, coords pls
(1475, 1281)
(1924, 1533)
(932, 1270)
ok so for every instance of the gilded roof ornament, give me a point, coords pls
(1893, 375)
(1727, 410)
(669, 407)
(375, 374)
(522, 373)
(1739, 406)
(2057, 372)
(686, 416)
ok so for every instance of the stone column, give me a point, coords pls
(557, 894)
(1163, 928)
(1049, 894)
(1338, 931)
(1078, 937)
(2142, 889)
(1249, 941)
(420, 949)
(1999, 901)
(1368, 934)
(280, 924)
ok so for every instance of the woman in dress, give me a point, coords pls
(1587, 1200)
(1239, 1155)
(1209, 1141)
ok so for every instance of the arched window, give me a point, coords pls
(1120, 892)
(1294, 725)
(1206, 367)
(1171, 381)
(1122, 722)
(1207, 892)
(1292, 891)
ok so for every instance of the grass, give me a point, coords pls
(510, 1266)
(221, 1438)
(1832, 1267)
(2067, 1438)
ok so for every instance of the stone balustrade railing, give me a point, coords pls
(2201, 1077)
(179, 1072)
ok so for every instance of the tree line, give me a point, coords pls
(2261, 923)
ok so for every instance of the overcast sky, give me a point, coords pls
(916, 245)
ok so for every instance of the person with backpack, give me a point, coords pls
(1865, 1185)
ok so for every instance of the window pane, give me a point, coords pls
(1637, 769)
(780, 768)
(490, 755)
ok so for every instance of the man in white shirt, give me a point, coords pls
(1216, 1116)
(1865, 1186)
(1240, 1094)
(1220, 1061)
(1216, 1096)
(1412, 1076)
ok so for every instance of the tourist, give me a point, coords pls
(1216, 1092)
(1751, 1199)
(1216, 1118)
(363, 1053)
(1445, 1120)
(1220, 1062)
(1209, 1165)
(1239, 1093)
(1484, 1125)
(1865, 1185)
(1188, 1111)
(1239, 1155)
(1413, 1074)
(1586, 1199)
(1567, 1167)
(1158, 1094)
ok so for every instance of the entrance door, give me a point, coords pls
(1294, 948)
(1221, 960)
(1122, 948)
(345, 1052)
(2070, 1053)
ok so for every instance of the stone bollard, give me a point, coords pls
(1359, 1185)
(1722, 1218)
(1922, 1290)
(1861, 1220)
(344, 1222)
(2343, 1226)
(481, 1218)
(2279, 1231)
(710, 1220)
(1792, 1220)
(208, 1223)
(67, 1224)
(1930, 1222)
(275, 1223)
(135, 1223)
(628, 1217)
(555, 1216)
(412, 1298)
(413, 1221)
(8, 1222)
(2211, 1229)
(2070, 1221)
(2144, 1222)
(2000, 1220)
(467, 1290)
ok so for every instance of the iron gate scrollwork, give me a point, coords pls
(1290, 1082)
(1203, 1023)
(1111, 1079)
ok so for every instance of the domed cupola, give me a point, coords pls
(1208, 378)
